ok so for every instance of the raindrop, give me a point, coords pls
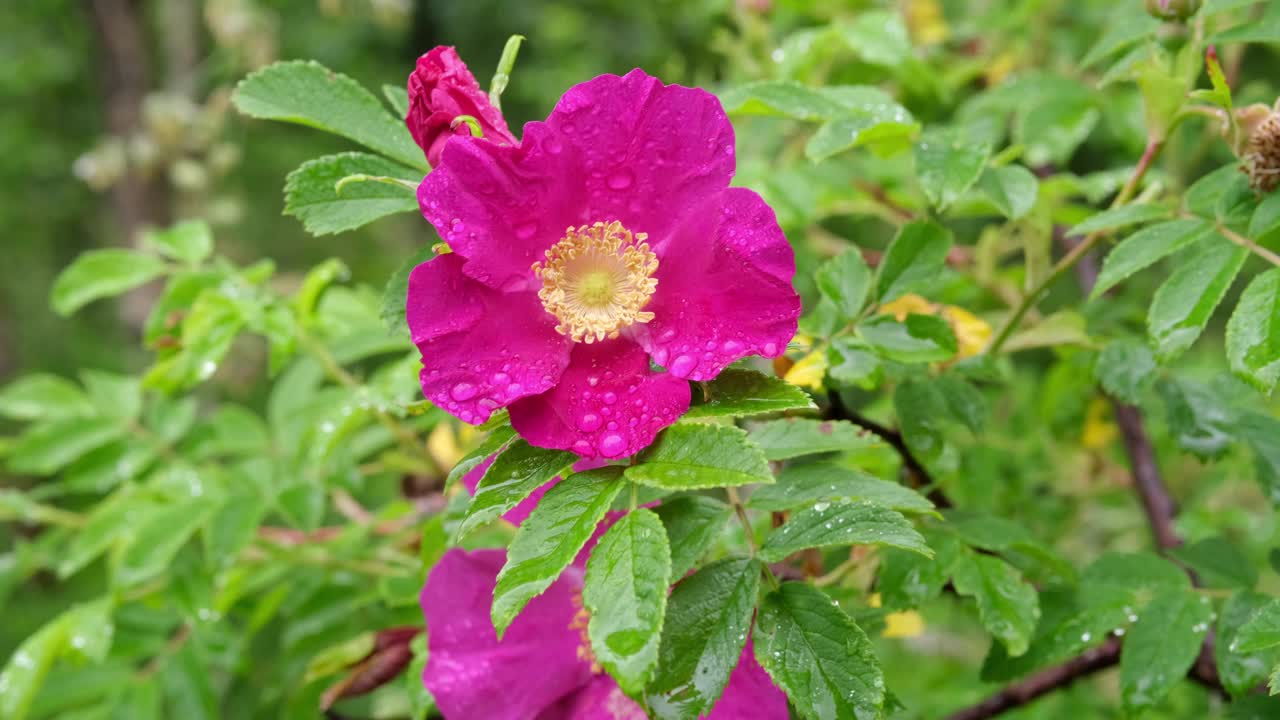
(1086, 637)
(620, 180)
(683, 365)
(589, 422)
(463, 391)
(612, 445)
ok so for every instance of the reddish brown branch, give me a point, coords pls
(1044, 682)
(917, 474)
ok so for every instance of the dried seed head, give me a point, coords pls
(1173, 9)
(1261, 159)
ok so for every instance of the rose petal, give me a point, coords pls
(440, 89)
(750, 693)
(601, 699)
(724, 289)
(472, 675)
(481, 349)
(648, 153)
(615, 148)
(608, 403)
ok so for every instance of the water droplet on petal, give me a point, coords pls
(620, 180)
(588, 422)
(463, 391)
(612, 445)
(683, 365)
(525, 230)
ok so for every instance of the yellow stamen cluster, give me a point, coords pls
(579, 623)
(597, 280)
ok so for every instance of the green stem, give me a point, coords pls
(736, 502)
(1248, 244)
(1081, 249)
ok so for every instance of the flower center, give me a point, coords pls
(597, 280)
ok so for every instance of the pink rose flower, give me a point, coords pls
(608, 237)
(441, 88)
(543, 668)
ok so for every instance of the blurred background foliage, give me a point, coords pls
(118, 118)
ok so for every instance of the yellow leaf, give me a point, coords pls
(972, 332)
(906, 624)
(907, 304)
(926, 21)
(443, 445)
(809, 370)
(1099, 431)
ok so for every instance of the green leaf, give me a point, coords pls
(50, 446)
(827, 524)
(626, 593)
(878, 37)
(1218, 563)
(786, 98)
(90, 630)
(947, 166)
(312, 196)
(920, 338)
(207, 334)
(549, 539)
(914, 259)
(317, 280)
(1126, 26)
(1012, 189)
(1262, 630)
(502, 75)
(42, 396)
(396, 292)
(114, 396)
(158, 538)
(1066, 628)
(190, 241)
(708, 617)
(1266, 219)
(1133, 573)
(1123, 216)
(821, 482)
(1146, 247)
(398, 98)
(851, 362)
(1253, 332)
(1240, 671)
(691, 456)
(793, 437)
(1007, 605)
(1183, 305)
(997, 534)
(1258, 31)
(1262, 434)
(693, 523)
(883, 127)
(1125, 368)
(102, 273)
(110, 520)
(493, 443)
(740, 393)
(921, 410)
(845, 280)
(307, 93)
(817, 655)
(1161, 647)
(515, 473)
(26, 670)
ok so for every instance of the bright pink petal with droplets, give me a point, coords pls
(648, 153)
(750, 693)
(473, 675)
(481, 349)
(607, 404)
(724, 288)
(615, 148)
(440, 89)
(601, 699)
(517, 514)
